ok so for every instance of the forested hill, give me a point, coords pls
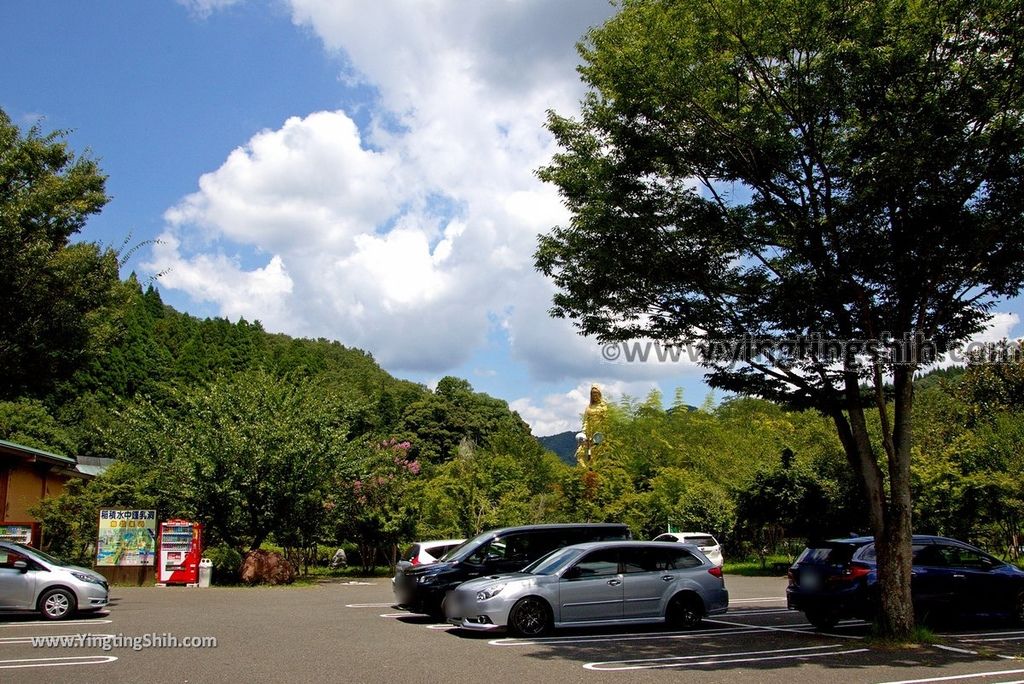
(563, 444)
(143, 349)
(155, 344)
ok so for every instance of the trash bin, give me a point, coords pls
(205, 572)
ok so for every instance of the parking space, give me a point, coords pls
(18, 653)
(759, 639)
(350, 632)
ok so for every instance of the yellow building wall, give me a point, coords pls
(26, 487)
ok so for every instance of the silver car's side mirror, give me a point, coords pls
(21, 566)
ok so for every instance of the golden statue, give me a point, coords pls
(593, 425)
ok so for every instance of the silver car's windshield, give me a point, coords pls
(551, 563)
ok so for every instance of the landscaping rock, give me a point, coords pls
(266, 567)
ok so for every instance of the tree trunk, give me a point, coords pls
(890, 516)
(894, 544)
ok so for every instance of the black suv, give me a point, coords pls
(422, 588)
(838, 579)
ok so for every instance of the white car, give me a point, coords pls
(707, 544)
(425, 552)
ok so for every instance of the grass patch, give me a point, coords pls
(319, 572)
(774, 566)
(919, 636)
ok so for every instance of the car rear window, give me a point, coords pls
(830, 554)
(439, 551)
(701, 541)
(649, 559)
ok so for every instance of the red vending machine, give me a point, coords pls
(179, 550)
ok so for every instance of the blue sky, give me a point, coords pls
(350, 170)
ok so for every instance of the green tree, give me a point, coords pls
(757, 176)
(967, 462)
(50, 288)
(510, 482)
(780, 503)
(453, 413)
(370, 504)
(27, 422)
(691, 503)
(250, 455)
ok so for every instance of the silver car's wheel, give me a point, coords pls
(684, 612)
(529, 617)
(57, 604)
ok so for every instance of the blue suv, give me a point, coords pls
(838, 579)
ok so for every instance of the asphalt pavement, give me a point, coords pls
(348, 632)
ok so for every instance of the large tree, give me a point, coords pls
(251, 455)
(50, 289)
(760, 176)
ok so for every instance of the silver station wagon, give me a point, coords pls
(598, 583)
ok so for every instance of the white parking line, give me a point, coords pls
(755, 611)
(397, 615)
(1005, 638)
(603, 638)
(51, 623)
(767, 599)
(952, 678)
(796, 629)
(369, 605)
(954, 650)
(955, 635)
(55, 662)
(440, 626)
(720, 658)
(29, 639)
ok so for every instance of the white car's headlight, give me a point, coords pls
(489, 592)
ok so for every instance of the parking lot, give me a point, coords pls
(347, 631)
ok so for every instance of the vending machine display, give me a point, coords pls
(179, 552)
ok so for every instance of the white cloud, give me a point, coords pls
(1000, 327)
(563, 411)
(552, 349)
(310, 185)
(255, 293)
(407, 238)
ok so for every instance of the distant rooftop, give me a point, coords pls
(89, 466)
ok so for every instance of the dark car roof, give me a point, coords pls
(916, 539)
(556, 526)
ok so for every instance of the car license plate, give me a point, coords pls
(809, 580)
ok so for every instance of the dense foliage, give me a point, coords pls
(51, 290)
